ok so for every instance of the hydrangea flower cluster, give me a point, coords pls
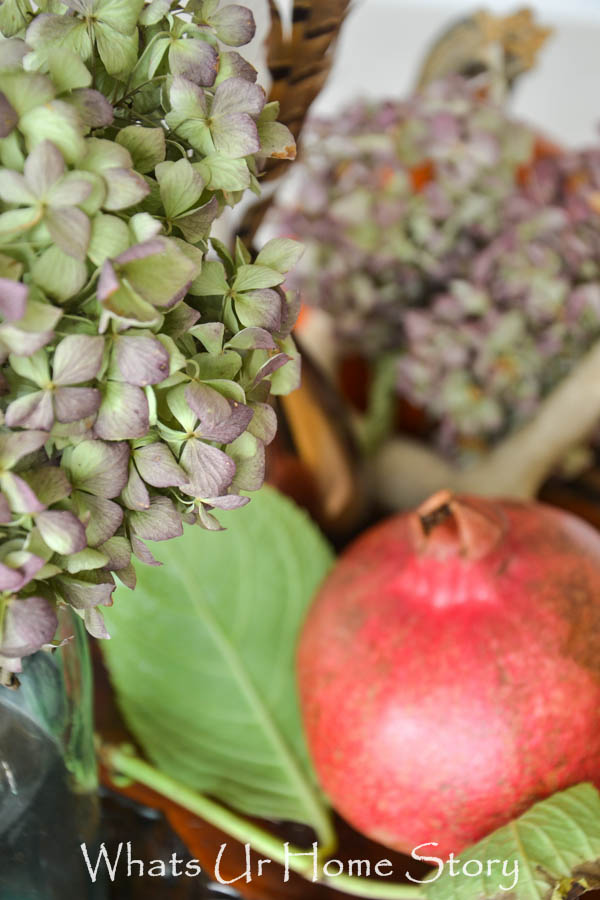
(138, 353)
(445, 233)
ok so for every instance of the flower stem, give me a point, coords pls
(120, 761)
(378, 421)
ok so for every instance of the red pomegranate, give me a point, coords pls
(449, 670)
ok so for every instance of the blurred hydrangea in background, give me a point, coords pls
(137, 353)
(445, 233)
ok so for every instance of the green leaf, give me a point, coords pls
(102, 155)
(555, 845)
(109, 237)
(121, 15)
(84, 561)
(224, 365)
(154, 12)
(210, 334)
(58, 274)
(34, 367)
(211, 281)
(17, 220)
(276, 140)
(270, 112)
(281, 254)
(58, 122)
(160, 276)
(58, 31)
(68, 70)
(144, 227)
(13, 17)
(117, 51)
(146, 145)
(193, 662)
(26, 90)
(224, 174)
(287, 379)
(180, 186)
(249, 278)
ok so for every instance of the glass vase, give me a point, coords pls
(48, 780)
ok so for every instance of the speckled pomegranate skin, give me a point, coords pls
(442, 695)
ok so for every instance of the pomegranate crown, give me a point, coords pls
(449, 525)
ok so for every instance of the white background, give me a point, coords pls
(383, 41)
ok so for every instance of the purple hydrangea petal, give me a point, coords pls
(10, 579)
(232, 65)
(101, 517)
(84, 594)
(74, 403)
(221, 420)
(229, 501)
(252, 339)
(208, 405)
(135, 493)
(108, 283)
(77, 358)
(127, 576)
(158, 467)
(118, 550)
(13, 298)
(141, 551)
(210, 471)
(31, 411)
(28, 564)
(19, 495)
(261, 308)
(69, 229)
(229, 428)
(5, 513)
(94, 624)
(206, 520)
(141, 359)
(234, 25)
(29, 624)
(18, 569)
(15, 446)
(159, 523)
(100, 468)
(21, 342)
(93, 107)
(70, 191)
(196, 224)
(290, 310)
(8, 116)
(123, 413)
(43, 167)
(179, 320)
(236, 95)
(194, 59)
(125, 188)
(235, 135)
(264, 422)
(61, 531)
(49, 483)
(270, 366)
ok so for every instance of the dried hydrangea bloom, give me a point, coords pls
(435, 234)
(137, 354)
